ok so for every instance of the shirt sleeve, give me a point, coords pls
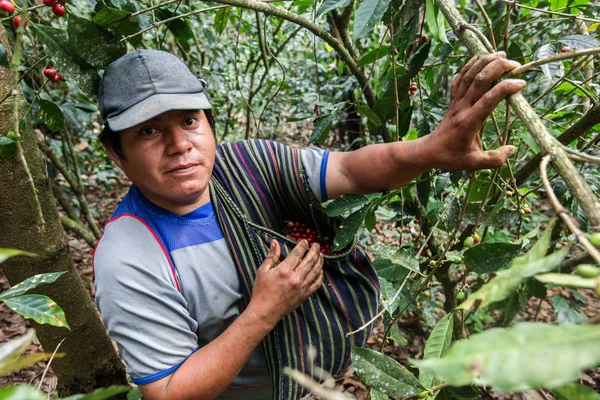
(315, 160)
(141, 307)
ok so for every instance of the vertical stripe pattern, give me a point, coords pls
(257, 186)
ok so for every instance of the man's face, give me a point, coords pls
(170, 159)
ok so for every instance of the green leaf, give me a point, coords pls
(480, 186)
(347, 231)
(14, 347)
(71, 66)
(490, 257)
(567, 312)
(387, 293)
(540, 248)
(580, 42)
(329, 5)
(117, 21)
(435, 21)
(97, 46)
(8, 147)
(369, 13)
(4, 63)
(30, 283)
(507, 281)
(180, 28)
(345, 203)
(372, 55)
(5, 254)
(553, 69)
(368, 113)
(399, 257)
(221, 19)
(397, 336)
(417, 60)
(574, 391)
(21, 392)
(9, 366)
(384, 374)
(101, 394)
(437, 346)
(51, 115)
(387, 270)
(524, 357)
(377, 395)
(39, 308)
(321, 129)
(108, 16)
(573, 281)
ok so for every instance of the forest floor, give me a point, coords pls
(13, 325)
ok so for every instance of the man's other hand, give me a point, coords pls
(280, 288)
(455, 143)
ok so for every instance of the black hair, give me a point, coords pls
(112, 140)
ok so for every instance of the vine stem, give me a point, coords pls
(570, 16)
(15, 62)
(563, 213)
(560, 159)
(431, 390)
(556, 57)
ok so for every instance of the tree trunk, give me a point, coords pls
(90, 361)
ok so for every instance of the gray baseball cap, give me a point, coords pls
(146, 83)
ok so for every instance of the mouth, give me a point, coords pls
(183, 169)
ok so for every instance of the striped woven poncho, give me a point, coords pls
(256, 186)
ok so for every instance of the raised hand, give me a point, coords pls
(280, 288)
(472, 99)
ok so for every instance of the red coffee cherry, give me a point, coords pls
(56, 78)
(565, 49)
(17, 21)
(49, 73)
(50, 3)
(7, 6)
(425, 38)
(58, 10)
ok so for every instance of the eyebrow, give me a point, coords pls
(179, 112)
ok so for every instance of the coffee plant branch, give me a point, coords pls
(556, 57)
(581, 157)
(488, 22)
(15, 63)
(569, 16)
(576, 183)
(569, 220)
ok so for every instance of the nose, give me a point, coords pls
(178, 141)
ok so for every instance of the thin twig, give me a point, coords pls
(570, 16)
(49, 362)
(582, 157)
(556, 57)
(564, 214)
(488, 23)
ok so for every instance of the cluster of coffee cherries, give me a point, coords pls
(9, 7)
(57, 8)
(412, 88)
(53, 75)
(299, 230)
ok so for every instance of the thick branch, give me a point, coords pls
(574, 132)
(580, 189)
(78, 229)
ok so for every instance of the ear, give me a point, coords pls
(113, 156)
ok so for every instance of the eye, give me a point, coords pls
(190, 121)
(148, 131)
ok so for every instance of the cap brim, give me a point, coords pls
(156, 105)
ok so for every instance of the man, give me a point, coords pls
(166, 279)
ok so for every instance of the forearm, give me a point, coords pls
(378, 167)
(211, 369)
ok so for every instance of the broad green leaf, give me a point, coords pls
(399, 257)
(377, 395)
(14, 347)
(384, 374)
(100, 394)
(441, 22)
(368, 113)
(4, 63)
(540, 248)
(387, 270)
(71, 66)
(479, 188)
(329, 5)
(221, 19)
(108, 16)
(345, 203)
(9, 366)
(558, 4)
(554, 69)
(117, 20)
(8, 148)
(97, 46)
(5, 254)
(321, 129)
(39, 308)
(135, 394)
(367, 15)
(508, 280)
(21, 392)
(374, 54)
(51, 115)
(524, 357)
(574, 391)
(396, 335)
(30, 283)
(573, 281)
(387, 294)
(580, 42)
(180, 28)
(567, 312)
(435, 21)
(437, 346)
(347, 230)
(417, 60)
(490, 257)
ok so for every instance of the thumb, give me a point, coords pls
(272, 257)
(495, 158)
